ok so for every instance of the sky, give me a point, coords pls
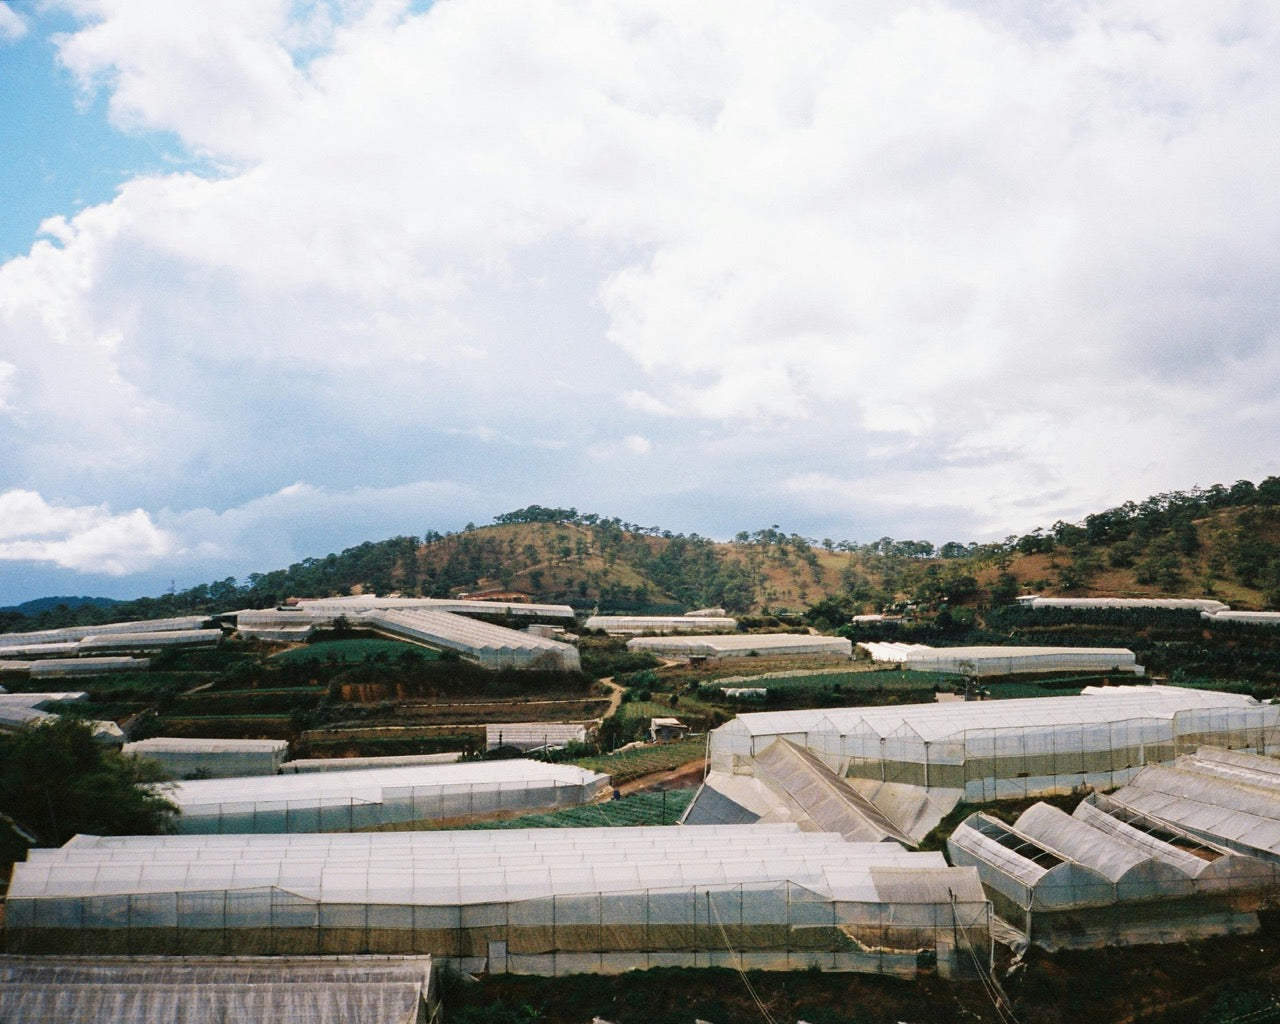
(280, 277)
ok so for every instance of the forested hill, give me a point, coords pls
(1221, 541)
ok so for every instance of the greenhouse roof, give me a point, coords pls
(192, 745)
(151, 638)
(461, 633)
(723, 642)
(826, 800)
(1175, 603)
(369, 785)
(200, 990)
(660, 623)
(461, 868)
(932, 721)
(1004, 659)
(1255, 618)
(71, 633)
(351, 764)
(370, 602)
(1209, 795)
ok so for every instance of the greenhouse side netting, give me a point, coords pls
(599, 899)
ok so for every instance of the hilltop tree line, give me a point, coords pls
(1172, 541)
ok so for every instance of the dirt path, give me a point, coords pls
(686, 776)
(616, 690)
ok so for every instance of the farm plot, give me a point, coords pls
(654, 808)
(625, 765)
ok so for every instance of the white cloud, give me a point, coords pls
(917, 244)
(84, 538)
(12, 25)
(632, 445)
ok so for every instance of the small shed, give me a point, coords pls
(664, 730)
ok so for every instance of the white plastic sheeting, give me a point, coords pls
(75, 633)
(150, 640)
(1091, 879)
(343, 801)
(370, 602)
(1197, 604)
(216, 990)
(19, 709)
(1247, 618)
(420, 622)
(624, 624)
(797, 786)
(533, 735)
(69, 668)
(544, 901)
(352, 764)
(1010, 748)
(1228, 798)
(492, 646)
(182, 757)
(1003, 661)
(744, 645)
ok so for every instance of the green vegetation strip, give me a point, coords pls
(354, 650)
(626, 765)
(864, 681)
(653, 808)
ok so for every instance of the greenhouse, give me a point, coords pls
(1089, 879)
(1004, 661)
(184, 757)
(624, 624)
(69, 668)
(71, 634)
(351, 764)
(492, 646)
(536, 901)
(1246, 618)
(744, 645)
(348, 801)
(533, 735)
(1195, 604)
(217, 990)
(369, 602)
(1009, 748)
(150, 640)
(1224, 797)
(19, 709)
(47, 649)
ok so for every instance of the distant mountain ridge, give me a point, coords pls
(44, 604)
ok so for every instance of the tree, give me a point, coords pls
(56, 781)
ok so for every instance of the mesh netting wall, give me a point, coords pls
(990, 764)
(782, 920)
(398, 804)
